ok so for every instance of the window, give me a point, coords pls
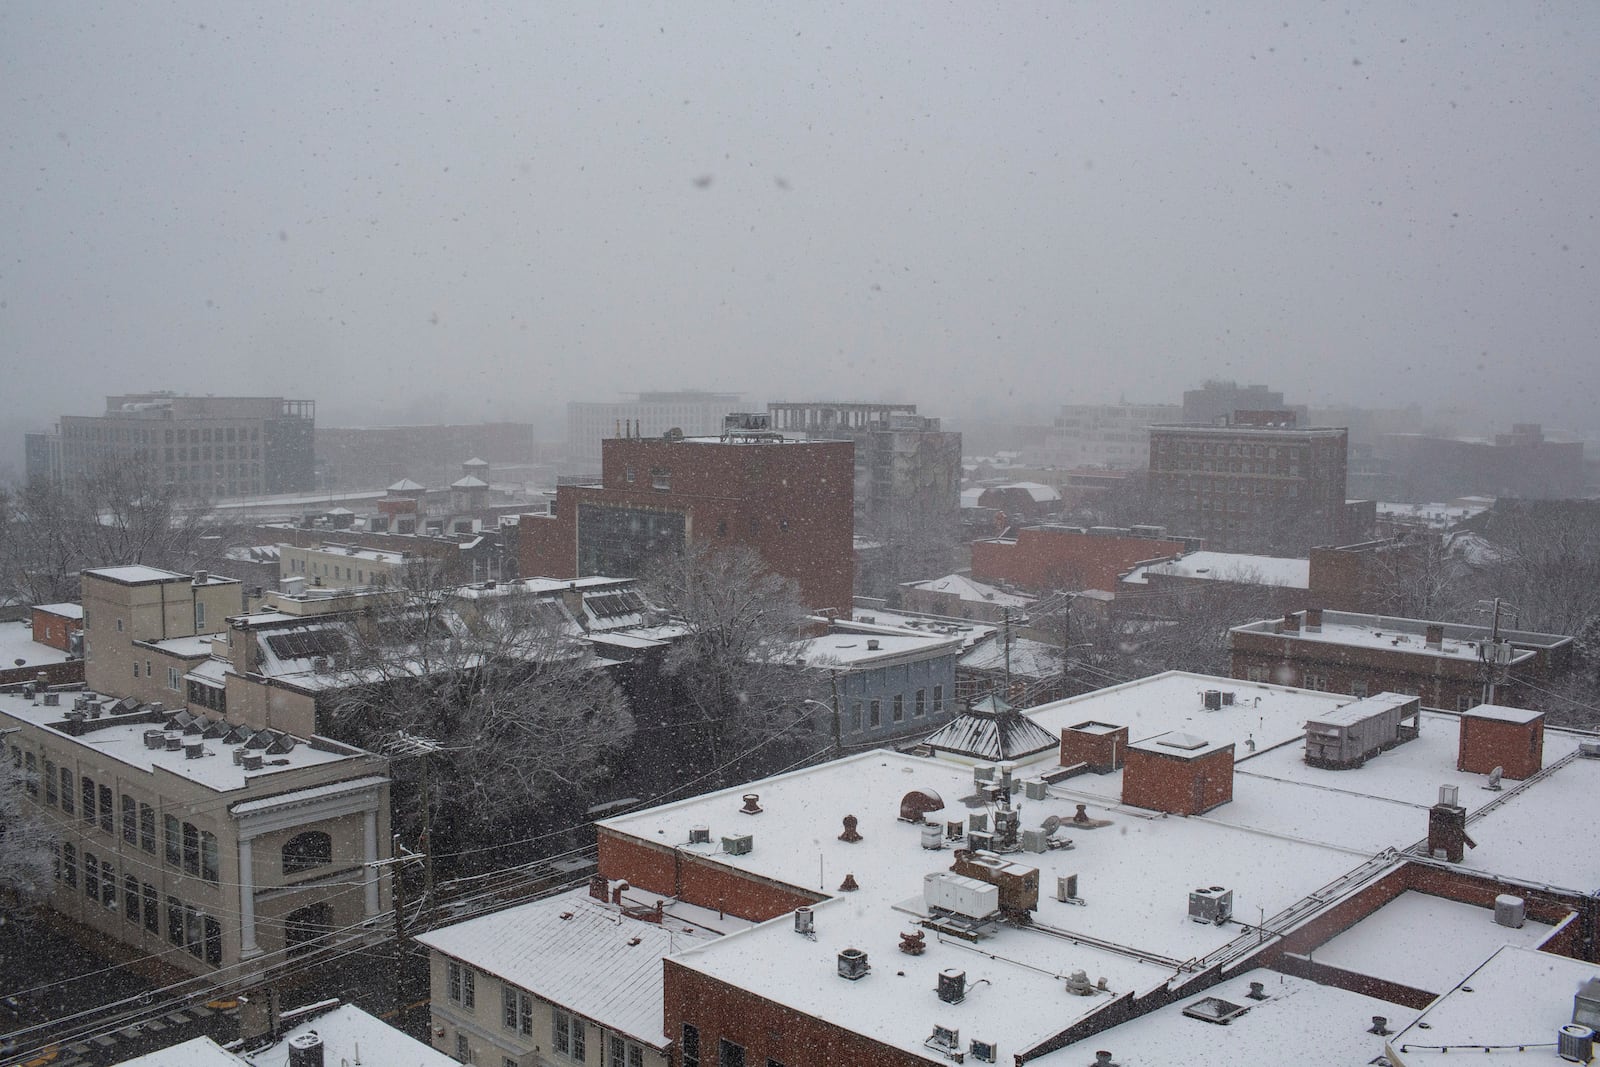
(50, 794)
(1314, 681)
(461, 985)
(1463, 703)
(174, 839)
(463, 1049)
(875, 713)
(921, 707)
(199, 615)
(209, 861)
(107, 816)
(568, 1034)
(130, 820)
(152, 910)
(855, 715)
(1358, 689)
(69, 866)
(729, 1054)
(174, 679)
(87, 795)
(130, 899)
(516, 1010)
(938, 699)
(623, 1053)
(147, 828)
(191, 848)
(91, 876)
(305, 851)
(1255, 674)
(147, 668)
(30, 780)
(691, 1045)
(660, 478)
(899, 712)
(66, 790)
(174, 921)
(108, 886)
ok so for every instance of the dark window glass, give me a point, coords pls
(305, 851)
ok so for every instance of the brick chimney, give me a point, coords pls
(1313, 620)
(1291, 623)
(1447, 828)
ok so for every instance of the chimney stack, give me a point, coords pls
(1434, 636)
(1313, 620)
(1291, 623)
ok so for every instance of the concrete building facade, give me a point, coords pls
(694, 412)
(207, 446)
(1258, 485)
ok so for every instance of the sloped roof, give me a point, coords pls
(991, 729)
(469, 482)
(405, 485)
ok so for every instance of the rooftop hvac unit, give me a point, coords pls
(945, 1037)
(154, 739)
(252, 761)
(980, 840)
(1213, 699)
(1589, 749)
(1510, 911)
(1066, 887)
(1575, 1043)
(932, 837)
(982, 772)
(952, 987)
(193, 750)
(1227, 697)
(804, 921)
(1036, 789)
(174, 742)
(699, 835)
(853, 964)
(1211, 905)
(1035, 841)
(959, 895)
(238, 757)
(984, 1051)
(738, 846)
(1586, 1004)
(977, 820)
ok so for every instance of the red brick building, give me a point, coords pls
(1446, 664)
(791, 501)
(1177, 773)
(1041, 558)
(56, 625)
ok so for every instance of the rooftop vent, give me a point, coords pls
(805, 922)
(932, 837)
(752, 804)
(1510, 911)
(1575, 1043)
(853, 964)
(1586, 1004)
(849, 885)
(913, 942)
(919, 802)
(851, 835)
(174, 742)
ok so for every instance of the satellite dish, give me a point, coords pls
(1051, 824)
(1495, 776)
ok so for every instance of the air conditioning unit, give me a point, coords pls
(1589, 749)
(52, 700)
(980, 840)
(1035, 841)
(984, 1051)
(1213, 699)
(699, 835)
(945, 1037)
(738, 846)
(853, 964)
(1036, 789)
(1211, 905)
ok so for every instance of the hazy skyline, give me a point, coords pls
(498, 207)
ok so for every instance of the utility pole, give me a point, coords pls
(1008, 651)
(426, 840)
(1490, 655)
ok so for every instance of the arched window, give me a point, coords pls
(305, 851)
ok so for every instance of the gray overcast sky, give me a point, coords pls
(502, 206)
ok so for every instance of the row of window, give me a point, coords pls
(897, 709)
(187, 846)
(569, 1033)
(187, 926)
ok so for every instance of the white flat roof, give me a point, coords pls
(1427, 943)
(1516, 1000)
(1503, 714)
(349, 1036)
(1300, 1022)
(195, 1052)
(16, 642)
(851, 650)
(124, 742)
(1544, 834)
(1231, 567)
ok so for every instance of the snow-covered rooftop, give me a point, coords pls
(65, 610)
(1299, 1022)
(1135, 875)
(1026, 658)
(880, 621)
(17, 643)
(977, 592)
(860, 651)
(585, 955)
(1424, 942)
(1507, 1011)
(196, 1052)
(1230, 567)
(1459, 642)
(351, 1036)
(113, 737)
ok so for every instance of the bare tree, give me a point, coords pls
(507, 709)
(116, 514)
(736, 665)
(25, 839)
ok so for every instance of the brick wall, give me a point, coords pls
(1515, 747)
(1043, 557)
(696, 879)
(1176, 785)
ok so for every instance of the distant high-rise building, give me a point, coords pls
(1218, 400)
(208, 446)
(694, 412)
(1256, 484)
(1116, 436)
